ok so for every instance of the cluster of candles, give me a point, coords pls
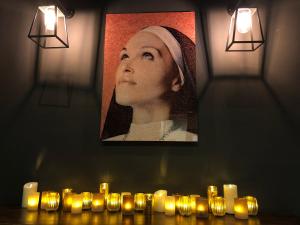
(143, 202)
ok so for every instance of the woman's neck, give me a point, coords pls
(148, 113)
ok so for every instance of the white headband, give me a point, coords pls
(172, 44)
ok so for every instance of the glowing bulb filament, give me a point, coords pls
(244, 20)
(50, 18)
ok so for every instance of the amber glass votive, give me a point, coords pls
(185, 208)
(65, 191)
(193, 202)
(113, 202)
(33, 201)
(218, 206)
(122, 194)
(128, 205)
(86, 200)
(212, 191)
(170, 206)
(202, 208)
(67, 202)
(76, 204)
(139, 201)
(44, 199)
(240, 208)
(53, 201)
(98, 202)
(252, 205)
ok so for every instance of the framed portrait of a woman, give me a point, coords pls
(149, 80)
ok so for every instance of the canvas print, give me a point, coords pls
(149, 80)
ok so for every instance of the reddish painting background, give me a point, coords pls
(118, 30)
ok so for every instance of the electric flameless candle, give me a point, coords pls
(230, 193)
(193, 202)
(104, 189)
(218, 206)
(52, 201)
(202, 208)
(113, 202)
(33, 201)
(185, 208)
(170, 206)
(128, 205)
(252, 205)
(139, 201)
(86, 200)
(28, 189)
(67, 201)
(76, 204)
(212, 191)
(159, 200)
(240, 208)
(98, 202)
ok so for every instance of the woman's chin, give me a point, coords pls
(123, 101)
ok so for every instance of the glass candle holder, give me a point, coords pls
(170, 206)
(76, 204)
(212, 191)
(67, 201)
(230, 193)
(33, 201)
(148, 203)
(86, 200)
(240, 208)
(193, 199)
(65, 191)
(177, 202)
(122, 194)
(104, 189)
(202, 208)
(98, 202)
(113, 202)
(252, 205)
(159, 200)
(53, 201)
(128, 205)
(44, 199)
(218, 206)
(139, 201)
(185, 208)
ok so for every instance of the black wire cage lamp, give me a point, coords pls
(245, 31)
(49, 27)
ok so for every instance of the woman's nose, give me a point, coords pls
(128, 68)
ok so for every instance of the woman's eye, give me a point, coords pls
(124, 56)
(148, 55)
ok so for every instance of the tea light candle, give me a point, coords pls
(148, 203)
(44, 199)
(201, 208)
(52, 201)
(218, 206)
(128, 205)
(252, 205)
(122, 194)
(98, 202)
(113, 202)
(67, 201)
(86, 200)
(185, 206)
(240, 208)
(159, 200)
(177, 196)
(33, 201)
(139, 201)
(28, 189)
(104, 189)
(65, 191)
(170, 206)
(76, 204)
(212, 191)
(230, 193)
(193, 199)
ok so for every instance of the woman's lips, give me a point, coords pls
(126, 82)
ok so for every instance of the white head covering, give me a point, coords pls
(172, 44)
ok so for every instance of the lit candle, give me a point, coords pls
(148, 203)
(86, 200)
(28, 189)
(252, 205)
(170, 205)
(76, 204)
(177, 202)
(202, 208)
(122, 194)
(104, 189)
(193, 199)
(33, 201)
(65, 191)
(218, 206)
(67, 202)
(185, 206)
(98, 202)
(212, 191)
(230, 193)
(44, 199)
(52, 201)
(159, 200)
(128, 205)
(240, 208)
(113, 202)
(139, 201)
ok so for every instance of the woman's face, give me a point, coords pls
(145, 72)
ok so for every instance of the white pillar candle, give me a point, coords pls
(28, 188)
(230, 193)
(159, 200)
(33, 201)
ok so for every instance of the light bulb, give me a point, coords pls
(244, 20)
(50, 18)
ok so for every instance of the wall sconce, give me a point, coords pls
(245, 31)
(49, 28)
